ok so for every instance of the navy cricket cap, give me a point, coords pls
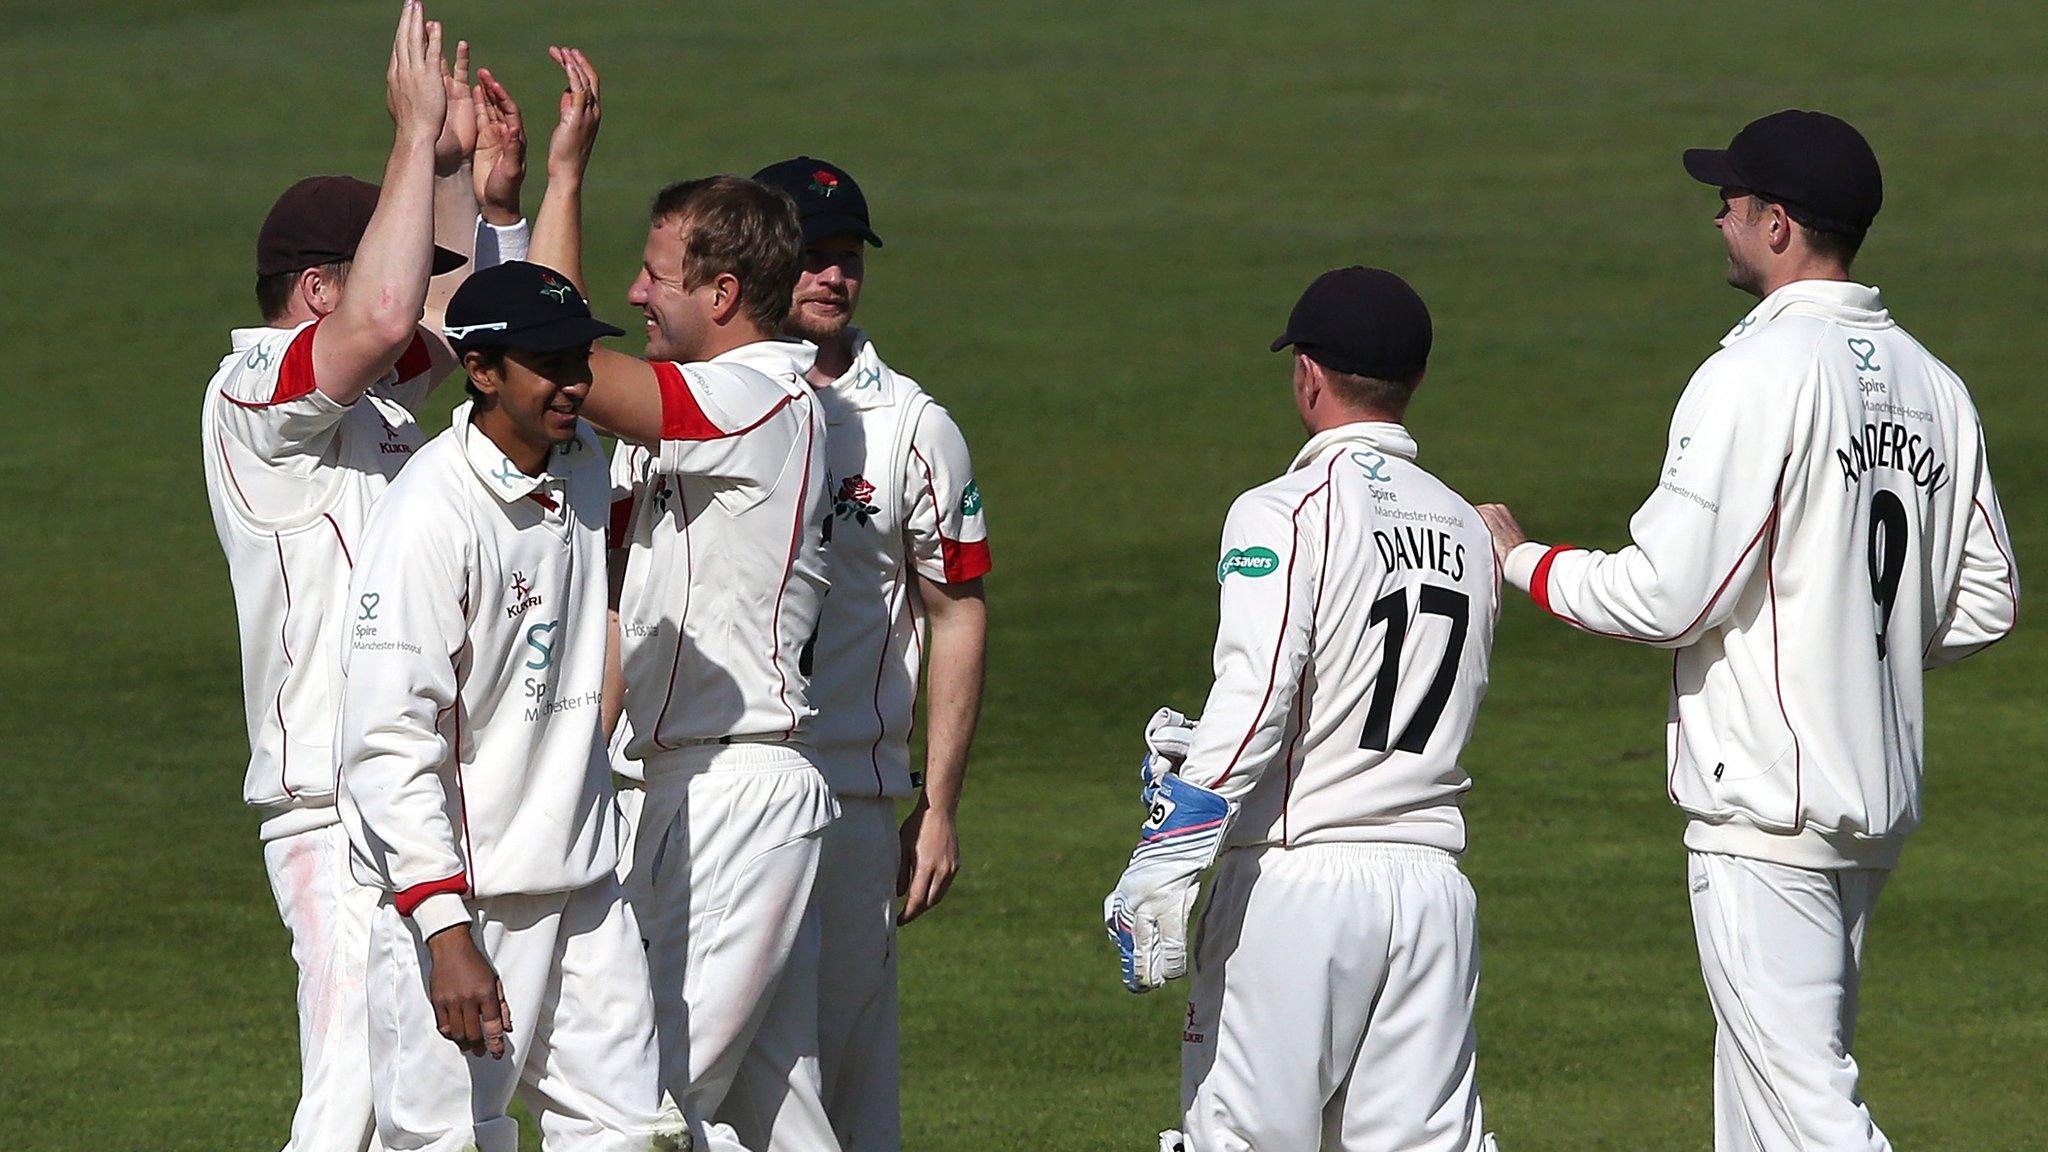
(1364, 321)
(1819, 167)
(828, 202)
(524, 306)
(320, 220)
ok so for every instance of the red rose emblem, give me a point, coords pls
(825, 178)
(856, 490)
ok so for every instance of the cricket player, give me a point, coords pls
(719, 512)
(475, 786)
(1823, 530)
(305, 422)
(907, 546)
(1337, 963)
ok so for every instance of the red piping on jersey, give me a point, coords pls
(294, 375)
(461, 793)
(1286, 609)
(1777, 677)
(962, 560)
(882, 666)
(284, 745)
(1301, 685)
(229, 464)
(796, 536)
(338, 539)
(407, 899)
(682, 418)
(2011, 570)
(1539, 583)
(1706, 608)
(540, 498)
(682, 618)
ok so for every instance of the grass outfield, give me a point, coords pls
(1097, 217)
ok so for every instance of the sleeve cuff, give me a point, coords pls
(1520, 568)
(440, 911)
(501, 243)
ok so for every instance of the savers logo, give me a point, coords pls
(1247, 562)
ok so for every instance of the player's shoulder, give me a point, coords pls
(436, 480)
(250, 373)
(1282, 497)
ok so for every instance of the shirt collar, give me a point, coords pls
(867, 383)
(504, 478)
(1383, 437)
(1843, 299)
(243, 339)
(772, 358)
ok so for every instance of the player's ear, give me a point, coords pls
(486, 373)
(725, 297)
(1778, 227)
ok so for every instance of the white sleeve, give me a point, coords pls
(1267, 598)
(272, 406)
(709, 420)
(1986, 604)
(1699, 536)
(943, 522)
(408, 617)
(500, 243)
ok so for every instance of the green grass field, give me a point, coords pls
(1097, 217)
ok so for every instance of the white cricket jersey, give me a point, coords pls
(904, 504)
(1358, 603)
(1824, 528)
(291, 476)
(726, 568)
(470, 738)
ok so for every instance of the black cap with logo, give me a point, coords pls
(320, 220)
(521, 305)
(1819, 167)
(1365, 321)
(828, 202)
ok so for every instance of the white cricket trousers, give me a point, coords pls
(1332, 1004)
(723, 864)
(1781, 949)
(328, 915)
(581, 1051)
(855, 903)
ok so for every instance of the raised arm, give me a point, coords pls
(624, 397)
(381, 302)
(455, 206)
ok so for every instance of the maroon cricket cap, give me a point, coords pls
(320, 220)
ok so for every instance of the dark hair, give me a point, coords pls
(492, 357)
(735, 226)
(1372, 393)
(274, 292)
(1837, 246)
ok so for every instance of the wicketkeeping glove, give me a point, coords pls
(1147, 915)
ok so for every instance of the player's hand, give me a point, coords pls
(1147, 915)
(1168, 735)
(576, 133)
(469, 1001)
(414, 91)
(500, 164)
(930, 856)
(457, 141)
(1506, 533)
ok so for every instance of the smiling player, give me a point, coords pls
(475, 786)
